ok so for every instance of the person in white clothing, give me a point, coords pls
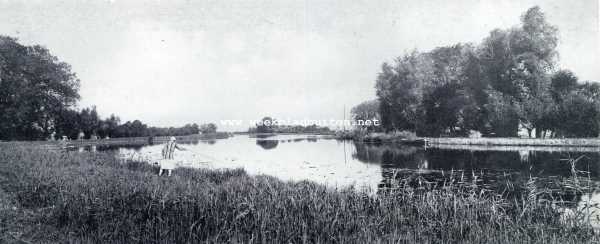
(168, 153)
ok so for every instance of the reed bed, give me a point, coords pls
(52, 196)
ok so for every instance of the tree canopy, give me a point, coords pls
(507, 81)
(35, 89)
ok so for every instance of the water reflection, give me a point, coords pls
(528, 163)
(209, 141)
(267, 144)
(505, 172)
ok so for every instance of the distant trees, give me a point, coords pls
(271, 125)
(71, 122)
(188, 129)
(299, 129)
(265, 125)
(366, 111)
(506, 82)
(208, 128)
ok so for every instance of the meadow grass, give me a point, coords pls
(53, 196)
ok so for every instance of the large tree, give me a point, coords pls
(400, 89)
(35, 89)
(517, 62)
(494, 87)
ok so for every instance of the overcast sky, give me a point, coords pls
(168, 63)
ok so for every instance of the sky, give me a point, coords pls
(168, 63)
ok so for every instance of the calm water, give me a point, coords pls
(343, 163)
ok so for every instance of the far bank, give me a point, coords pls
(412, 139)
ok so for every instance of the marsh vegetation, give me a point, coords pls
(52, 196)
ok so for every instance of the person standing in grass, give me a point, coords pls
(168, 153)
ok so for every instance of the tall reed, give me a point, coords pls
(96, 198)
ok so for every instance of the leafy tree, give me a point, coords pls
(89, 121)
(579, 117)
(67, 123)
(562, 83)
(368, 110)
(503, 119)
(400, 88)
(444, 111)
(35, 89)
(493, 87)
(109, 126)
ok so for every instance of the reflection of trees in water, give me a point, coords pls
(535, 163)
(309, 139)
(505, 172)
(509, 186)
(267, 144)
(189, 141)
(209, 141)
(262, 136)
(388, 155)
(557, 163)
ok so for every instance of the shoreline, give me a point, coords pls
(510, 148)
(479, 142)
(525, 142)
(136, 141)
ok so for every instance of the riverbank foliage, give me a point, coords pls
(52, 196)
(506, 83)
(38, 94)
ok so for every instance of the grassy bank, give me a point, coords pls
(51, 196)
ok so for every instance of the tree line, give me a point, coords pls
(508, 82)
(38, 95)
(87, 121)
(270, 125)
